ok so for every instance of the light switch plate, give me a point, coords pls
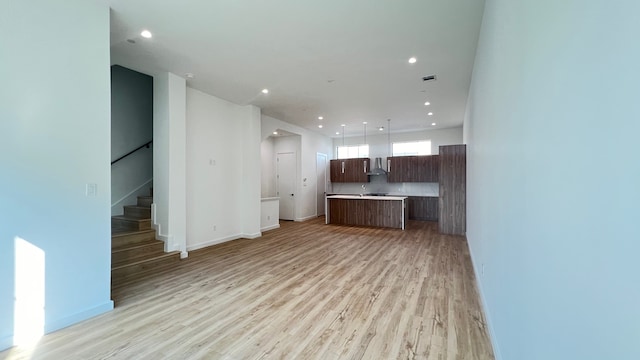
(92, 189)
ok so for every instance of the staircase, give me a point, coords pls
(135, 251)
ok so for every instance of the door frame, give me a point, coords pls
(295, 181)
(326, 168)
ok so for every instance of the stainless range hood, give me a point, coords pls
(377, 169)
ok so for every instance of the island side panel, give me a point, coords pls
(362, 212)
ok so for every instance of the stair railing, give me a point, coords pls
(147, 145)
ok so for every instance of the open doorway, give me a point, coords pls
(286, 180)
(321, 182)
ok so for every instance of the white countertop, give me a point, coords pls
(366, 197)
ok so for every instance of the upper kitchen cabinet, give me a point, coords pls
(413, 169)
(453, 189)
(349, 170)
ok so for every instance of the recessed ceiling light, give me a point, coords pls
(189, 75)
(364, 122)
(343, 125)
(320, 126)
(265, 91)
(430, 114)
(412, 60)
(146, 34)
(337, 132)
(275, 133)
(320, 117)
(433, 124)
(381, 128)
(427, 103)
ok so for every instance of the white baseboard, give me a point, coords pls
(166, 238)
(6, 342)
(270, 227)
(157, 227)
(485, 308)
(251, 236)
(205, 244)
(208, 243)
(306, 218)
(77, 317)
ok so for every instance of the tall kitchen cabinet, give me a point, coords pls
(453, 189)
(349, 170)
(413, 168)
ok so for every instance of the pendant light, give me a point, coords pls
(389, 135)
(389, 142)
(365, 132)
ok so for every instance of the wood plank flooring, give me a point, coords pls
(304, 291)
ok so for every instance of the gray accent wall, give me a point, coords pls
(131, 126)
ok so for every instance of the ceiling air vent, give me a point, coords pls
(429, 78)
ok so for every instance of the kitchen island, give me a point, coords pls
(363, 210)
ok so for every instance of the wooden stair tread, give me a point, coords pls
(127, 218)
(137, 245)
(133, 223)
(145, 251)
(135, 251)
(145, 201)
(137, 207)
(117, 232)
(166, 255)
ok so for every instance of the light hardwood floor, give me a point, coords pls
(304, 291)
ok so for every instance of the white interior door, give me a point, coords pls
(286, 176)
(321, 182)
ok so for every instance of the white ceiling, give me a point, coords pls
(345, 60)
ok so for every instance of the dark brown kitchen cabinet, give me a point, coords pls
(413, 168)
(423, 208)
(398, 168)
(336, 172)
(349, 170)
(453, 189)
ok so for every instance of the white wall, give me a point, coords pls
(311, 143)
(223, 170)
(249, 211)
(169, 156)
(267, 167)
(54, 140)
(553, 177)
(379, 144)
(269, 214)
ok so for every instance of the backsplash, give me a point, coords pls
(379, 184)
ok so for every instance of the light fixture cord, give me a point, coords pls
(389, 135)
(365, 134)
